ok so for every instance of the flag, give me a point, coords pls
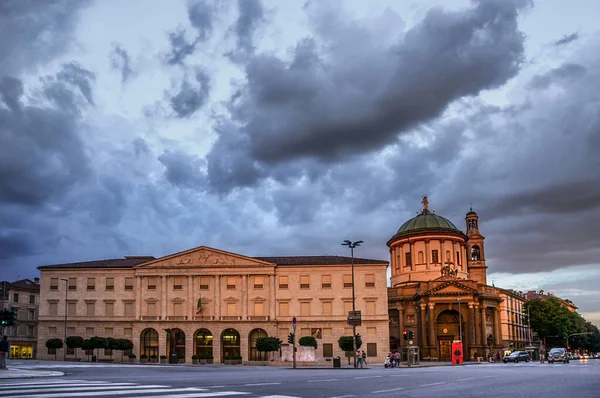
(199, 306)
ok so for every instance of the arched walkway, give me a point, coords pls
(176, 343)
(203, 343)
(230, 344)
(253, 353)
(149, 342)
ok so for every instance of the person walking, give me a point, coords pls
(542, 354)
(4, 350)
(359, 359)
(364, 358)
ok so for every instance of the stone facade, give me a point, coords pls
(212, 302)
(23, 297)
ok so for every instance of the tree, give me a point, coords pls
(553, 322)
(308, 341)
(74, 342)
(346, 344)
(268, 344)
(98, 342)
(86, 345)
(112, 344)
(123, 345)
(54, 344)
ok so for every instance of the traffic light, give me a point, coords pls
(358, 340)
(12, 318)
(405, 334)
(291, 338)
(411, 334)
(4, 316)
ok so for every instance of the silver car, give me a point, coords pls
(558, 355)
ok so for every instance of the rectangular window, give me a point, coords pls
(231, 282)
(151, 309)
(347, 307)
(204, 282)
(283, 334)
(91, 283)
(259, 309)
(128, 283)
(30, 331)
(327, 307)
(231, 309)
(178, 283)
(70, 351)
(408, 260)
(31, 315)
(370, 280)
(305, 309)
(110, 283)
(52, 330)
(16, 297)
(89, 331)
(108, 332)
(347, 280)
(71, 309)
(53, 283)
(259, 282)
(16, 311)
(72, 283)
(31, 299)
(151, 282)
(434, 256)
(284, 309)
(51, 351)
(129, 309)
(371, 350)
(178, 309)
(327, 332)
(371, 308)
(128, 332)
(109, 309)
(458, 258)
(327, 350)
(283, 282)
(304, 282)
(304, 332)
(371, 331)
(108, 351)
(90, 309)
(347, 331)
(326, 281)
(54, 309)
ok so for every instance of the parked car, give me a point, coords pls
(558, 355)
(517, 356)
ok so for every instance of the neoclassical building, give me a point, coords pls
(439, 290)
(212, 302)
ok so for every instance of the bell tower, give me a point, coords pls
(475, 249)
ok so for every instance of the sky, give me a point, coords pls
(268, 128)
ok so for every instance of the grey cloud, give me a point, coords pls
(324, 109)
(251, 16)
(121, 61)
(567, 39)
(201, 14)
(567, 71)
(11, 91)
(183, 170)
(192, 95)
(181, 48)
(70, 84)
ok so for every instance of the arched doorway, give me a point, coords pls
(203, 343)
(149, 342)
(447, 329)
(253, 353)
(230, 344)
(176, 343)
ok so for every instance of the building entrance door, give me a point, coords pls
(445, 350)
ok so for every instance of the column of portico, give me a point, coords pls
(273, 297)
(483, 336)
(427, 253)
(423, 326)
(244, 297)
(401, 326)
(472, 324)
(402, 258)
(412, 256)
(190, 297)
(164, 298)
(138, 298)
(432, 343)
(497, 329)
(217, 298)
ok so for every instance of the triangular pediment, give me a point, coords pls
(449, 288)
(204, 257)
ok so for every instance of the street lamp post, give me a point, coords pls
(352, 245)
(66, 314)
(459, 322)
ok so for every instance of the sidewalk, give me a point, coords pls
(19, 373)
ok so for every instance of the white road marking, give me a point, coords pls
(206, 394)
(342, 396)
(317, 381)
(260, 384)
(367, 377)
(144, 390)
(432, 384)
(470, 378)
(279, 396)
(488, 377)
(54, 388)
(399, 375)
(390, 390)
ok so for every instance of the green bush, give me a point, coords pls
(143, 356)
(132, 356)
(196, 357)
(163, 357)
(308, 341)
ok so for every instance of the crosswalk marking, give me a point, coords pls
(116, 386)
(138, 391)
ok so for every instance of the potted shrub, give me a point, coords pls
(181, 359)
(143, 358)
(153, 358)
(209, 359)
(195, 359)
(163, 359)
(131, 357)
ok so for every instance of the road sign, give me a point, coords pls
(294, 323)
(354, 318)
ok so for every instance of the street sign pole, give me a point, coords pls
(294, 345)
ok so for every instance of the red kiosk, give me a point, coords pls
(457, 352)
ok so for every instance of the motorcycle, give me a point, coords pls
(390, 362)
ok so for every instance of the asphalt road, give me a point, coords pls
(576, 379)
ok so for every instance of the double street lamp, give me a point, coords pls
(66, 313)
(352, 245)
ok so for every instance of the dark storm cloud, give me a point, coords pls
(359, 96)
(181, 48)
(567, 39)
(33, 32)
(566, 71)
(251, 16)
(121, 61)
(192, 95)
(182, 170)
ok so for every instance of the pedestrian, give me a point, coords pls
(358, 359)
(542, 354)
(4, 350)
(364, 358)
